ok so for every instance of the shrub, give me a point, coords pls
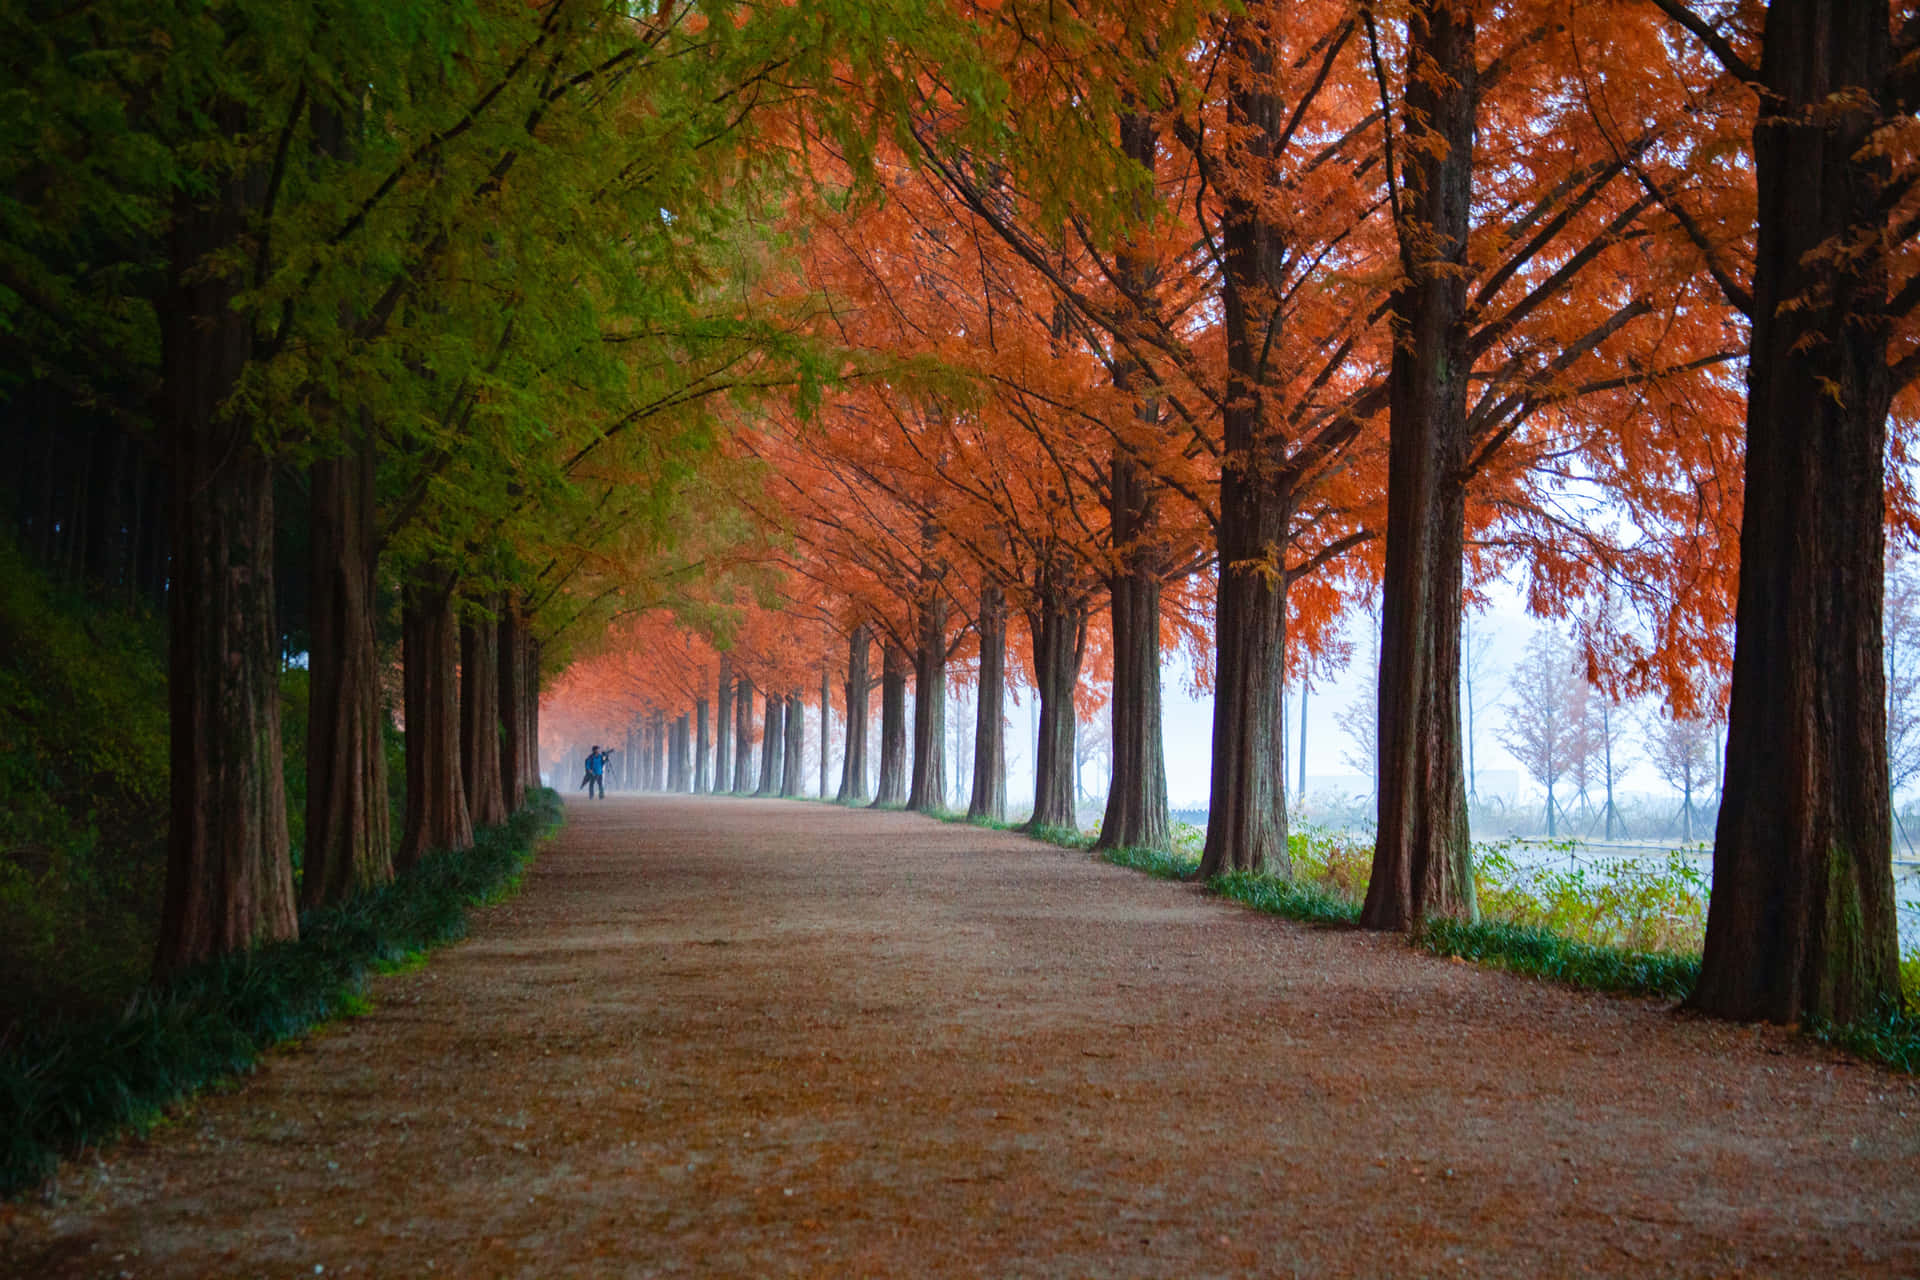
(83, 791)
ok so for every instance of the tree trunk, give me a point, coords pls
(853, 766)
(1136, 815)
(826, 720)
(229, 871)
(349, 843)
(796, 727)
(929, 788)
(892, 791)
(519, 754)
(480, 724)
(437, 816)
(772, 743)
(1422, 863)
(656, 779)
(1059, 631)
(702, 732)
(1247, 808)
(743, 736)
(1801, 923)
(989, 799)
(531, 704)
(723, 727)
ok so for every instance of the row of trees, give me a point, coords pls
(349, 331)
(1231, 318)
(833, 329)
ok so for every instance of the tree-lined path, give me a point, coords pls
(726, 1037)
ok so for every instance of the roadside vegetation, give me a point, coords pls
(68, 1083)
(1618, 927)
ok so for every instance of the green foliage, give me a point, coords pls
(83, 789)
(64, 1086)
(1892, 1039)
(1294, 899)
(1337, 862)
(1162, 863)
(1530, 949)
(1610, 902)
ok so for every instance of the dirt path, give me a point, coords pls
(719, 1037)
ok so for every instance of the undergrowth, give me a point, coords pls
(65, 1086)
(83, 794)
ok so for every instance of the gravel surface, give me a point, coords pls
(726, 1037)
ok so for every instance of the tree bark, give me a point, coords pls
(702, 732)
(1247, 809)
(928, 791)
(1800, 924)
(1059, 631)
(796, 727)
(723, 727)
(1136, 814)
(229, 869)
(989, 800)
(743, 736)
(349, 843)
(892, 791)
(437, 816)
(853, 764)
(657, 748)
(519, 755)
(826, 720)
(531, 648)
(480, 723)
(1422, 862)
(772, 743)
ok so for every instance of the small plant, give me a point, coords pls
(1611, 902)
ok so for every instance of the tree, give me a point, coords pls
(1800, 923)
(1681, 748)
(892, 791)
(1540, 725)
(1615, 759)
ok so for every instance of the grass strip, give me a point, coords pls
(67, 1086)
(1290, 898)
(1531, 950)
(1892, 1040)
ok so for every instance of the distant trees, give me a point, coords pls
(1543, 728)
(1682, 749)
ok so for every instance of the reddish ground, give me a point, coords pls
(720, 1037)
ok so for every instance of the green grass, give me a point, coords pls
(1295, 899)
(1893, 1039)
(64, 1087)
(1159, 863)
(1545, 954)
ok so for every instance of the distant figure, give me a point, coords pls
(595, 781)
